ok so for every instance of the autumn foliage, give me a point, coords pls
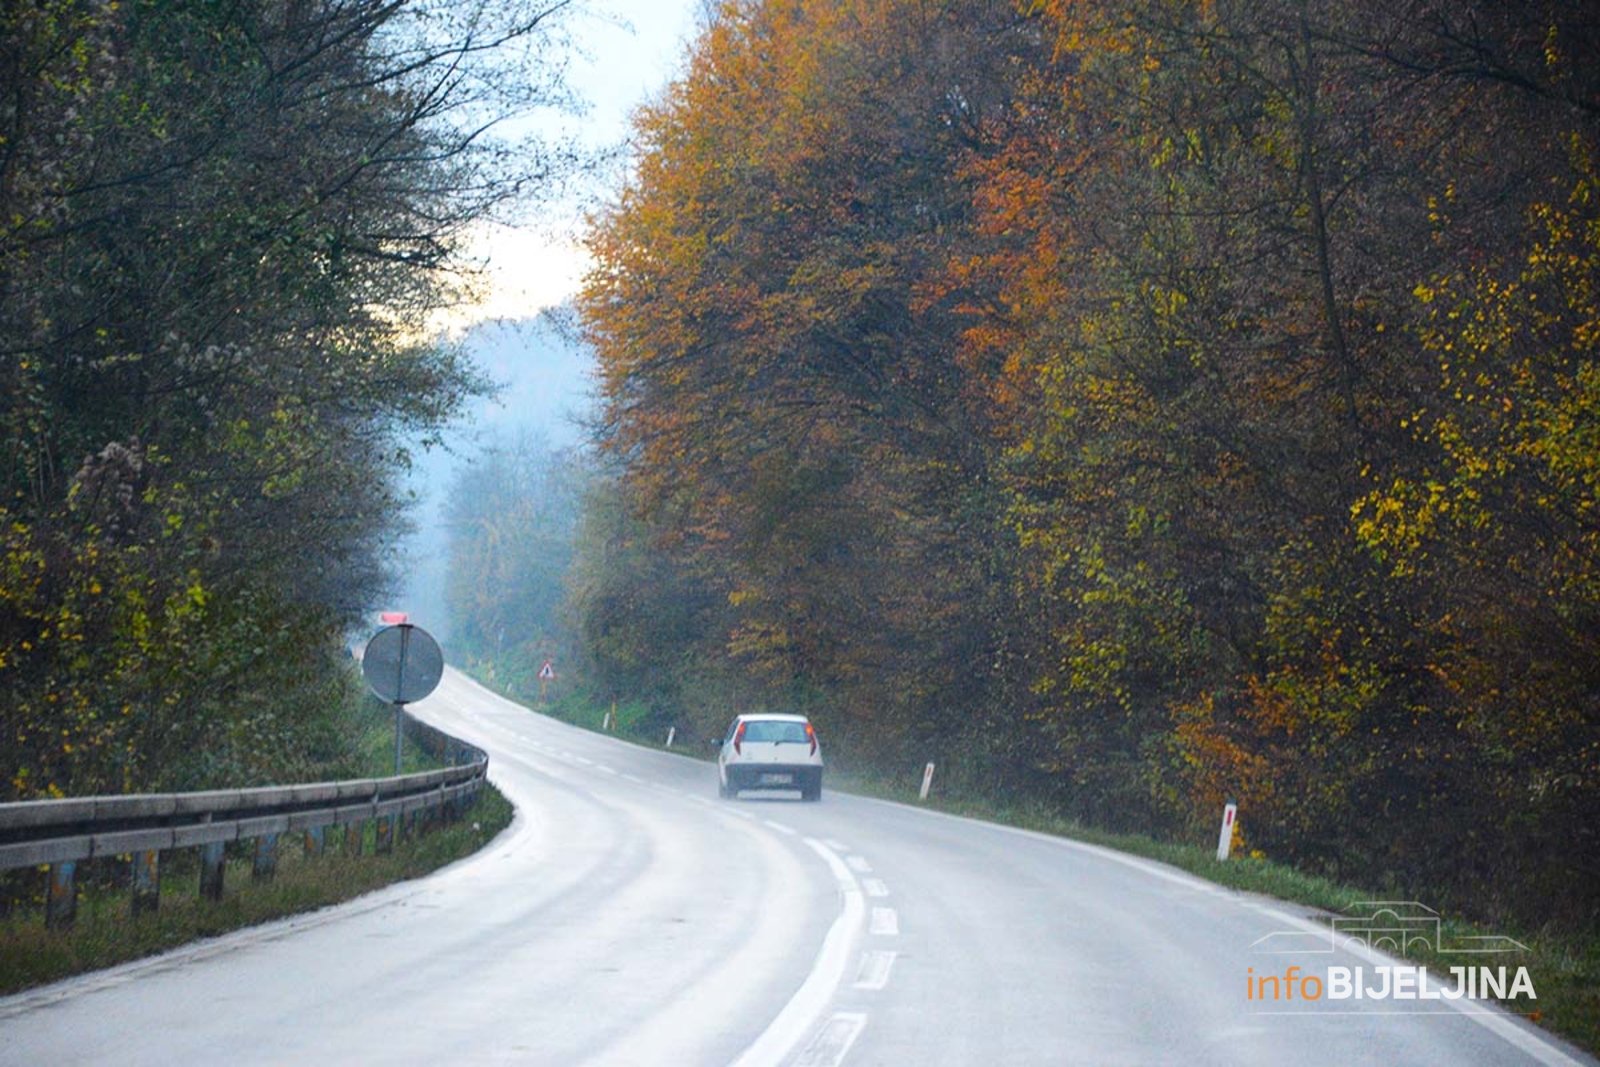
(223, 229)
(1142, 403)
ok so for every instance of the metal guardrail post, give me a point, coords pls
(61, 898)
(146, 879)
(265, 867)
(383, 840)
(213, 865)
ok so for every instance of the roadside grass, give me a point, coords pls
(105, 933)
(626, 717)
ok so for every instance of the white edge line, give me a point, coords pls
(791, 1024)
(1486, 1014)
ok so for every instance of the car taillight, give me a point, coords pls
(738, 736)
(811, 735)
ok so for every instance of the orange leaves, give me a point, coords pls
(1108, 344)
(794, 360)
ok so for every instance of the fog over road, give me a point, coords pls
(631, 917)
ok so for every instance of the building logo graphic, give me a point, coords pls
(1398, 927)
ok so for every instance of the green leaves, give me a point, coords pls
(780, 334)
(224, 230)
(1198, 398)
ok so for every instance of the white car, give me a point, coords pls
(764, 751)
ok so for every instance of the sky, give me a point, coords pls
(634, 48)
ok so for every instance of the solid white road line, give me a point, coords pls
(811, 999)
(1484, 1013)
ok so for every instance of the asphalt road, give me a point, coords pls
(631, 917)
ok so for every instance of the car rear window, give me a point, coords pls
(774, 732)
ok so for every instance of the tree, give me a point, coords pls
(1248, 232)
(1196, 397)
(513, 522)
(222, 231)
(779, 328)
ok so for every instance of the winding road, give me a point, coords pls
(629, 917)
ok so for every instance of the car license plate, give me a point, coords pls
(777, 779)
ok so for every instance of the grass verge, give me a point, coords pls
(105, 934)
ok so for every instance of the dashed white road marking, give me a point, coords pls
(859, 864)
(873, 971)
(874, 887)
(885, 922)
(833, 1041)
(781, 828)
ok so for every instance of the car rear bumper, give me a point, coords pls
(772, 775)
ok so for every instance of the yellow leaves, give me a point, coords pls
(1553, 58)
(1396, 523)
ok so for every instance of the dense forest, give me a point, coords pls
(225, 229)
(1129, 404)
(1134, 404)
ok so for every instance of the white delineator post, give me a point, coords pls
(1230, 812)
(672, 731)
(927, 781)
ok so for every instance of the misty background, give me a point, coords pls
(543, 374)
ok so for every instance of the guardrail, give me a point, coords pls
(61, 833)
